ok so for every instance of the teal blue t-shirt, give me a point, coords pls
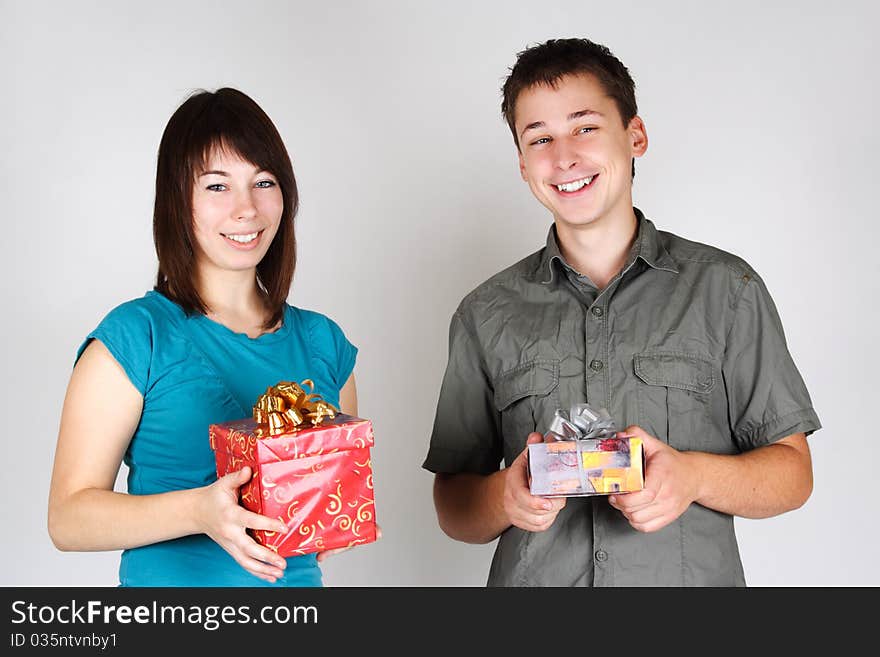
(193, 372)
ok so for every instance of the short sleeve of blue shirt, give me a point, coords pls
(330, 345)
(127, 333)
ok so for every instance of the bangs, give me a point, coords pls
(230, 131)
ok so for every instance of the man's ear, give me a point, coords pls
(638, 136)
(522, 166)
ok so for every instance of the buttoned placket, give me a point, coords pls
(597, 347)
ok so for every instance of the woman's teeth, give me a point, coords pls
(243, 239)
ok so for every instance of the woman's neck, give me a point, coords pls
(234, 300)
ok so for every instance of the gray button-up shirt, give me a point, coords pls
(685, 342)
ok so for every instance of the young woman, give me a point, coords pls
(199, 348)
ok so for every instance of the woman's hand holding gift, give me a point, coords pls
(220, 517)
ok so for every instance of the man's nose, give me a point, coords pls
(566, 157)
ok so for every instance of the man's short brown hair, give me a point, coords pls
(548, 62)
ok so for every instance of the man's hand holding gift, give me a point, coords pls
(671, 485)
(524, 510)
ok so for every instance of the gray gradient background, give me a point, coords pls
(762, 141)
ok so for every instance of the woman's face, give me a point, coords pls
(236, 212)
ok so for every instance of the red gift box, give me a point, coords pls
(317, 479)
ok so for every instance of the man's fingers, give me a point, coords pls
(533, 503)
(534, 438)
(651, 444)
(633, 501)
(521, 461)
(535, 523)
(646, 515)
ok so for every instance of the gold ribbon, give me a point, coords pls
(286, 405)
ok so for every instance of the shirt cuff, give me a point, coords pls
(804, 421)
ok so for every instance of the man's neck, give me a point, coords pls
(599, 249)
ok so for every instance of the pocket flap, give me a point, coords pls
(675, 370)
(537, 377)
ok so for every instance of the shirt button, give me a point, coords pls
(601, 555)
(597, 311)
(596, 365)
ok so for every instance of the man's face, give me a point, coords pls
(575, 153)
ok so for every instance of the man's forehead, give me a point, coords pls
(570, 97)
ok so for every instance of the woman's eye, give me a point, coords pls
(216, 187)
(266, 183)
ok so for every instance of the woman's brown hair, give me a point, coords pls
(232, 121)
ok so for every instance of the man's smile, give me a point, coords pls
(575, 185)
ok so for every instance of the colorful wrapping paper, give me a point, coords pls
(608, 465)
(317, 479)
(583, 455)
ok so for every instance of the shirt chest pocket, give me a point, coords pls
(674, 395)
(527, 397)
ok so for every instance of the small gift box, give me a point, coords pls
(311, 470)
(584, 457)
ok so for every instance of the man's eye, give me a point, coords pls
(586, 130)
(216, 187)
(266, 183)
(542, 140)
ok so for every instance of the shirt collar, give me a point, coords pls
(647, 247)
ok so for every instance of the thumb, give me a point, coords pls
(633, 430)
(534, 437)
(531, 439)
(652, 445)
(236, 479)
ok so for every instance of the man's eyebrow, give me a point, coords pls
(531, 126)
(584, 112)
(571, 117)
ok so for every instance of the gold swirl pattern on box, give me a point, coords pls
(317, 479)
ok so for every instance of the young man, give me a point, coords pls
(678, 340)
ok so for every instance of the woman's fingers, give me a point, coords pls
(329, 553)
(255, 551)
(322, 556)
(255, 521)
(235, 480)
(259, 568)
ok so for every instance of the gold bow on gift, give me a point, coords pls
(286, 405)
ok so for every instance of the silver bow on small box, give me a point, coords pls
(581, 455)
(581, 423)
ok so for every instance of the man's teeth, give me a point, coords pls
(576, 185)
(243, 239)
